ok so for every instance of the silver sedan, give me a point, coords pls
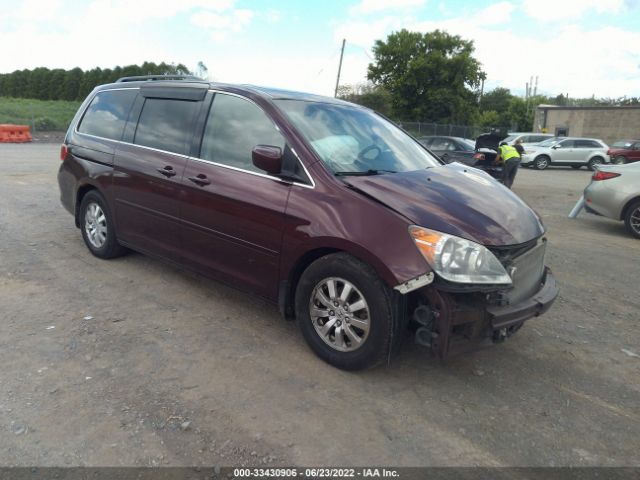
(614, 192)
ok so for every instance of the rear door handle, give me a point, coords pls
(167, 171)
(200, 179)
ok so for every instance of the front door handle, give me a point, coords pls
(167, 171)
(200, 179)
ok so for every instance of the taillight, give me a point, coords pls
(600, 175)
(64, 151)
(479, 156)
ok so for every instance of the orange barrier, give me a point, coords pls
(15, 134)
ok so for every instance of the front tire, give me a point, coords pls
(620, 160)
(345, 312)
(541, 162)
(632, 219)
(96, 224)
(576, 167)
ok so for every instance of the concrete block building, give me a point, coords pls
(606, 123)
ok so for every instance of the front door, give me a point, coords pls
(565, 152)
(233, 213)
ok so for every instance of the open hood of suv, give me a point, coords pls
(490, 140)
(457, 200)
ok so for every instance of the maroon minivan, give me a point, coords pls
(348, 223)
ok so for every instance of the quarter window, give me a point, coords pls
(234, 127)
(166, 124)
(107, 114)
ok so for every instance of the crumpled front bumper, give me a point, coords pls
(509, 315)
(467, 321)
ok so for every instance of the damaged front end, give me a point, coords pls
(451, 318)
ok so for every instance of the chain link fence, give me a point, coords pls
(422, 129)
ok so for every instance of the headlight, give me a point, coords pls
(458, 260)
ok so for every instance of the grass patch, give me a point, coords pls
(40, 115)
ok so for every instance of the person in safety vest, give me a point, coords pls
(511, 159)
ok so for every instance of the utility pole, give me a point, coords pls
(335, 94)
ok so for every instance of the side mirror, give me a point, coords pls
(267, 158)
(555, 147)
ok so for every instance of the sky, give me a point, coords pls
(575, 47)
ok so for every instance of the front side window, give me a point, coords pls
(566, 144)
(350, 139)
(107, 114)
(166, 124)
(234, 127)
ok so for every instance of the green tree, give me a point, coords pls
(375, 98)
(430, 76)
(497, 100)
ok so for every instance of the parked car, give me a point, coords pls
(567, 151)
(614, 192)
(624, 151)
(321, 206)
(450, 149)
(527, 138)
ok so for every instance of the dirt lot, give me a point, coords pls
(134, 362)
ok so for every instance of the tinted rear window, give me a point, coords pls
(107, 114)
(166, 124)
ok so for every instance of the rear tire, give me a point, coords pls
(351, 330)
(541, 162)
(595, 161)
(632, 219)
(96, 225)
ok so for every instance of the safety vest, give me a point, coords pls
(508, 152)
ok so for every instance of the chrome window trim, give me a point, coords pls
(313, 183)
(202, 160)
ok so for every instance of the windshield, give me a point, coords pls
(622, 144)
(353, 140)
(550, 142)
(510, 138)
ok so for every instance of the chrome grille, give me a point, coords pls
(526, 273)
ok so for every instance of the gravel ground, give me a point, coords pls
(135, 362)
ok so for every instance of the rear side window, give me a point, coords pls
(166, 124)
(538, 138)
(587, 144)
(233, 128)
(107, 114)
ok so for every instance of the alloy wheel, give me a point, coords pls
(95, 225)
(634, 221)
(542, 163)
(340, 314)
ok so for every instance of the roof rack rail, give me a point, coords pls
(141, 78)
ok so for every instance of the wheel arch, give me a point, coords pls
(627, 206)
(80, 194)
(291, 276)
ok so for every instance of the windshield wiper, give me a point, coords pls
(363, 174)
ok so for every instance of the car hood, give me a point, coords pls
(457, 200)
